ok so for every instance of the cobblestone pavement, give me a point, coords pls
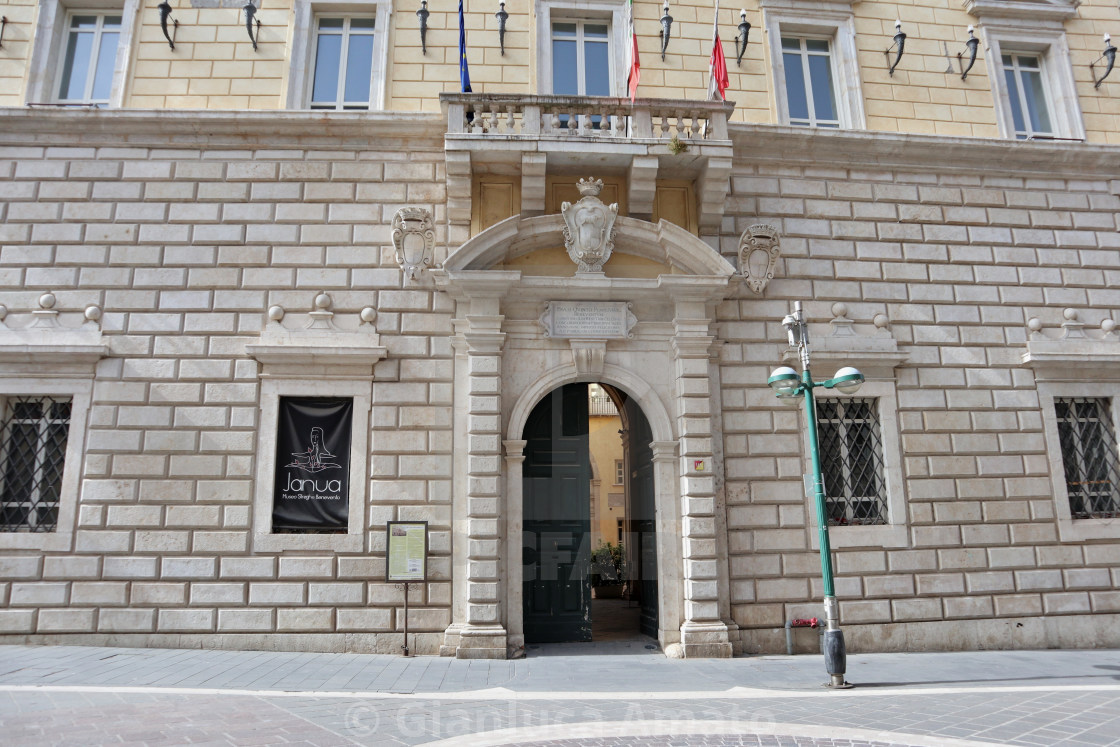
(556, 697)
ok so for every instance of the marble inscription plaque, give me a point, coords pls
(588, 319)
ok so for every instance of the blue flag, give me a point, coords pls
(464, 74)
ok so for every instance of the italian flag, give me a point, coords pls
(717, 65)
(633, 65)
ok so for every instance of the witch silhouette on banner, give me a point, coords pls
(316, 458)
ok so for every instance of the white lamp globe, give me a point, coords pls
(784, 381)
(848, 380)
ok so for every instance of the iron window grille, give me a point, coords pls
(1089, 456)
(33, 437)
(851, 452)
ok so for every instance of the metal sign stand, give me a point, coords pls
(405, 646)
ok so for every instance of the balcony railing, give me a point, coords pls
(515, 116)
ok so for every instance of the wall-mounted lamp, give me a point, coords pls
(250, 20)
(972, 43)
(423, 14)
(899, 44)
(666, 26)
(3, 23)
(164, 16)
(741, 39)
(502, 17)
(1109, 54)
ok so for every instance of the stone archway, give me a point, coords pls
(506, 360)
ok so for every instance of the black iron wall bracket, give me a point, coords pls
(666, 29)
(741, 39)
(899, 45)
(1109, 54)
(423, 14)
(971, 45)
(165, 16)
(250, 20)
(502, 17)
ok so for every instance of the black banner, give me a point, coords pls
(312, 485)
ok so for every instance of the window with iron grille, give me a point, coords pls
(33, 437)
(1089, 456)
(851, 451)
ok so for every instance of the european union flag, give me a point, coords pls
(464, 74)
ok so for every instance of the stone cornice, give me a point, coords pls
(1032, 10)
(240, 128)
(862, 148)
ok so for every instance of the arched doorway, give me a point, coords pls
(557, 534)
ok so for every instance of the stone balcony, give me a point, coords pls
(590, 135)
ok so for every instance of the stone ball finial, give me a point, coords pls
(276, 313)
(881, 321)
(1070, 315)
(47, 301)
(839, 309)
(1034, 324)
(1108, 325)
(93, 313)
(323, 301)
(368, 315)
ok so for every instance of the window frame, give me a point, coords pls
(833, 21)
(1069, 528)
(346, 33)
(805, 53)
(619, 472)
(613, 12)
(1056, 70)
(846, 424)
(303, 36)
(272, 389)
(581, 51)
(52, 28)
(896, 532)
(80, 392)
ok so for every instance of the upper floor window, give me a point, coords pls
(581, 58)
(1026, 91)
(343, 77)
(339, 55)
(81, 56)
(810, 93)
(86, 72)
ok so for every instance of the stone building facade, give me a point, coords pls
(180, 261)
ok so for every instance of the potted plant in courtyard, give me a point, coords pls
(608, 570)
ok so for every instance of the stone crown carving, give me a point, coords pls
(589, 228)
(759, 249)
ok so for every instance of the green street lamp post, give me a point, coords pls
(788, 385)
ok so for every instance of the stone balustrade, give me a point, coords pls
(589, 117)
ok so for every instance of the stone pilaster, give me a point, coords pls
(483, 635)
(703, 632)
(515, 514)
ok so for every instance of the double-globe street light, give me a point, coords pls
(788, 385)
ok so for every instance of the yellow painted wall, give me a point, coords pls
(605, 447)
(215, 67)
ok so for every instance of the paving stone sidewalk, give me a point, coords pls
(559, 696)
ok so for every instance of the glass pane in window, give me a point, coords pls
(796, 97)
(564, 29)
(820, 73)
(331, 23)
(359, 68)
(597, 81)
(595, 31)
(790, 43)
(816, 45)
(75, 69)
(361, 24)
(327, 60)
(106, 59)
(564, 67)
(1036, 102)
(1013, 96)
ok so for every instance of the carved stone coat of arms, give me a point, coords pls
(589, 227)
